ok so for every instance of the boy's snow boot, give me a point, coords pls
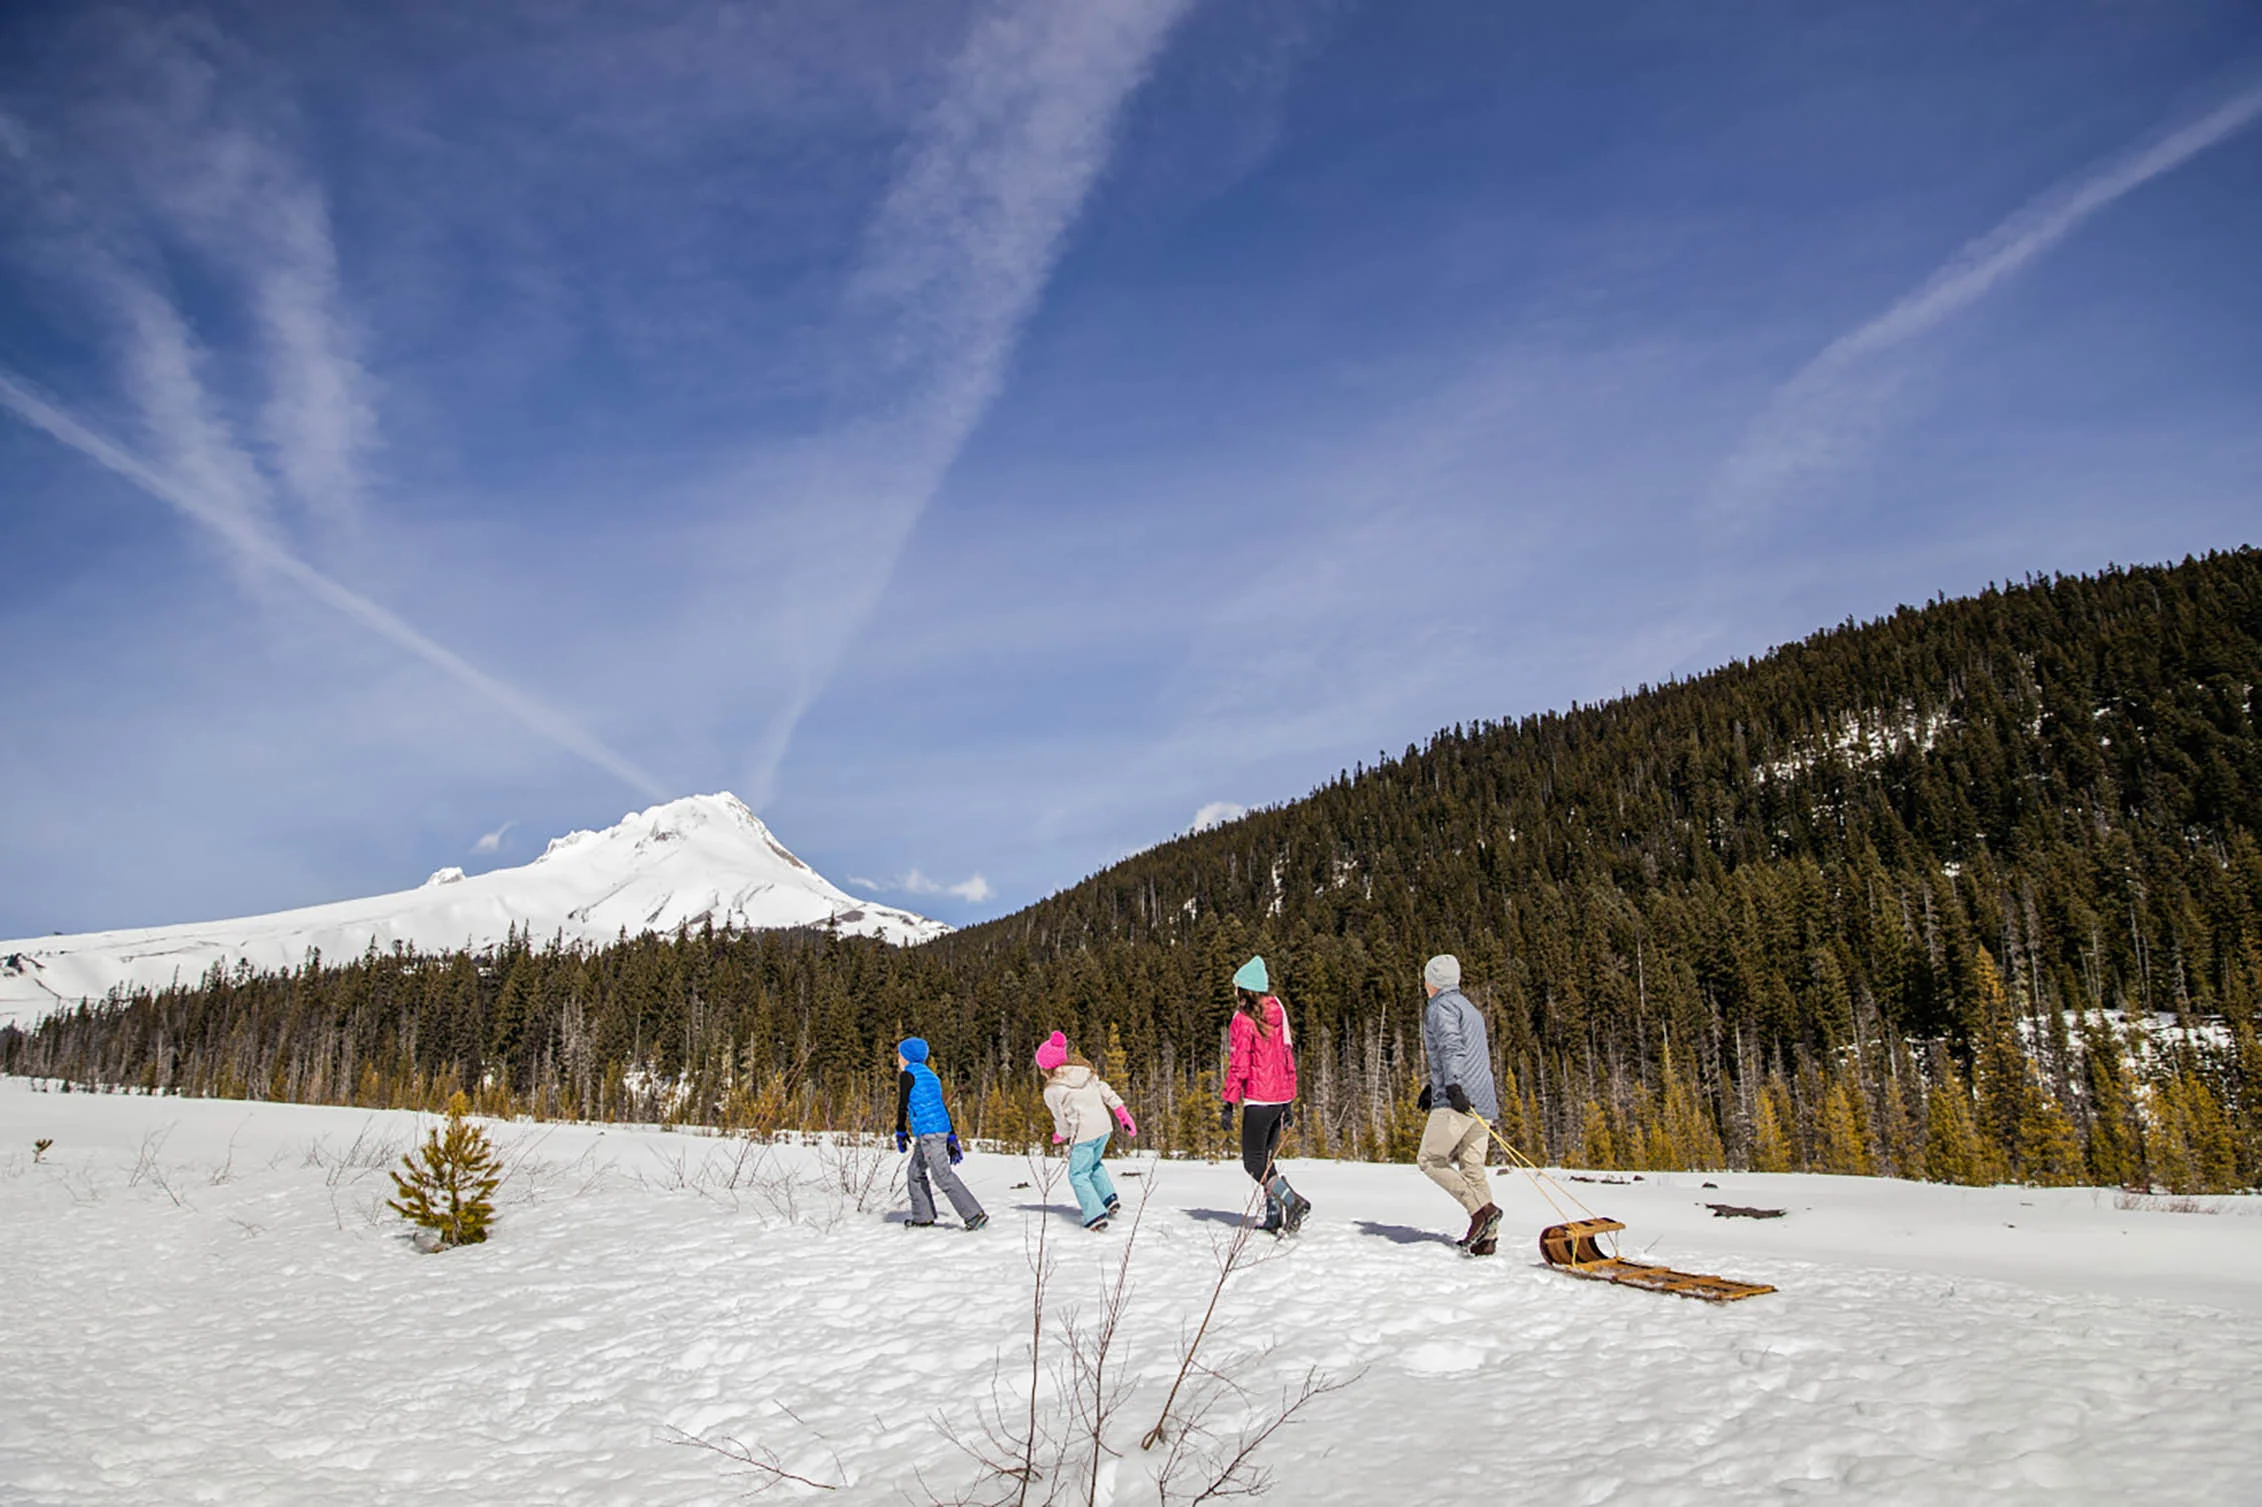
(1483, 1226)
(977, 1221)
(1484, 1247)
(1112, 1201)
(1098, 1221)
(918, 1224)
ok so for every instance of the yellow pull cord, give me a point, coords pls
(1543, 1182)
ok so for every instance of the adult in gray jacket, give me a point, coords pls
(1461, 1101)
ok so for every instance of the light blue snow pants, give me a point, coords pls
(1094, 1188)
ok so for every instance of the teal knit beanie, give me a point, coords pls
(1252, 976)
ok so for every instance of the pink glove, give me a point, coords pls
(1057, 1138)
(1123, 1118)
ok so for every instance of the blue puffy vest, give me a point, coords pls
(928, 1117)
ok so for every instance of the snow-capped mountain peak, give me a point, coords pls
(690, 862)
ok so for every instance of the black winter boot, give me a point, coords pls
(1293, 1205)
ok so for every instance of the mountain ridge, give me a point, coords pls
(697, 860)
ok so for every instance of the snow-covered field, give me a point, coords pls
(206, 1302)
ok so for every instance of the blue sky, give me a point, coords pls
(983, 436)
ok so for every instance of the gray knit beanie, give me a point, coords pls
(1442, 971)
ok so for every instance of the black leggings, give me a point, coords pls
(1260, 1138)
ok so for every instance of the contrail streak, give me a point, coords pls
(256, 548)
(1817, 416)
(953, 264)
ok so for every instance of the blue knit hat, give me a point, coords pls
(1252, 976)
(912, 1049)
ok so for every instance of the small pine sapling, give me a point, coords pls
(40, 1147)
(449, 1183)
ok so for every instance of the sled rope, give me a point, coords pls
(1541, 1181)
(1572, 1247)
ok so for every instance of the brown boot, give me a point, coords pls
(1484, 1247)
(1483, 1225)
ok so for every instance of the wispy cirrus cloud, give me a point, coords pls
(178, 157)
(951, 266)
(1826, 414)
(189, 167)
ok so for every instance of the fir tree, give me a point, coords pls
(449, 1185)
(1771, 1142)
(2050, 1151)
(1845, 1144)
(2116, 1134)
(1953, 1149)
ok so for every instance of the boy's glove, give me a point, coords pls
(1456, 1098)
(1288, 1115)
(902, 1141)
(956, 1155)
(1225, 1116)
(1123, 1118)
(1423, 1102)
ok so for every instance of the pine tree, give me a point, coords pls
(1770, 1138)
(2209, 1155)
(1901, 1149)
(1954, 1151)
(449, 1184)
(2003, 1083)
(1598, 1148)
(2116, 1133)
(2246, 1120)
(1845, 1143)
(2050, 1150)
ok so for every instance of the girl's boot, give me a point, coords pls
(1293, 1206)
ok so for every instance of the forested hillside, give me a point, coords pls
(1974, 891)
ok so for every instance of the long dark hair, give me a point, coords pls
(1252, 1004)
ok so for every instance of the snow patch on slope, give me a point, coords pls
(689, 862)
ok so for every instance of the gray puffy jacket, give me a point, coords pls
(1453, 1034)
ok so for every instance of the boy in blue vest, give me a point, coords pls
(922, 1128)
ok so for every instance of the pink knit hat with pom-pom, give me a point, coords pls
(1053, 1053)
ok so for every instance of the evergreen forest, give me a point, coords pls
(1969, 893)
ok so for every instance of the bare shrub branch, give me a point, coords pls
(756, 1460)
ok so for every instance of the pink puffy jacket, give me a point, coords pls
(1260, 1065)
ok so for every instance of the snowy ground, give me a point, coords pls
(204, 1301)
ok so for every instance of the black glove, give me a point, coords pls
(902, 1141)
(956, 1155)
(1456, 1098)
(1287, 1116)
(1225, 1116)
(1423, 1102)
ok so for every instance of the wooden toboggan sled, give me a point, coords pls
(1588, 1248)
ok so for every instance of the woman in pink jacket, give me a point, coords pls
(1260, 1076)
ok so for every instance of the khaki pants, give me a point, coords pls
(1453, 1147)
